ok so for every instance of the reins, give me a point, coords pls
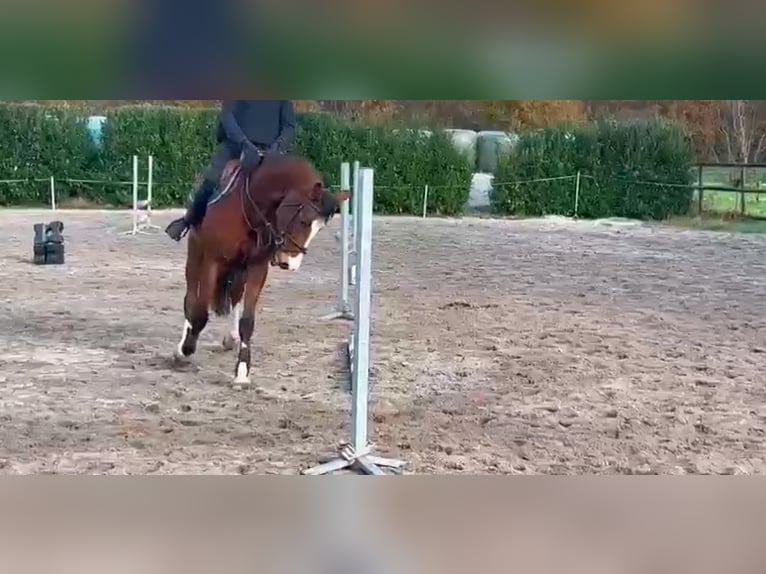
(277, 237)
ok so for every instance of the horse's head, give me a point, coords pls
(300, 216)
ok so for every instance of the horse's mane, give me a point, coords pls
(278, 175)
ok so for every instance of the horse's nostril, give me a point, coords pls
(284, 265)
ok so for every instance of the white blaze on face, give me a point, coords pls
(294, 261)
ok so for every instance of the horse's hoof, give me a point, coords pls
(229, 342)
(178, 356)
(242, 378)
(241, 383)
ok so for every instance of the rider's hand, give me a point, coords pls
(274, 148)
(251, 157)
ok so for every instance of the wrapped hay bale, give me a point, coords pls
(95, 126)
(464, 142)
(491, 146)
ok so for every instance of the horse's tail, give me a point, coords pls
(222, 297)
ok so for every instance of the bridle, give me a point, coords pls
(278, 238)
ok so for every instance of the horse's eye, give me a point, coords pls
(306, 223)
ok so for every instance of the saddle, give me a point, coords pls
(230, 174)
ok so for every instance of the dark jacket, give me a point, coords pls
(263, 122)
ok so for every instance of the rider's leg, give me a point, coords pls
(195, 210)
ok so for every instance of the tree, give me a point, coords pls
(306, 105)
(742, 126)
(520, 114)
(464, 114)
(366, 110)
(701, 120)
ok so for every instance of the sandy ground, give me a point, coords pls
(498, 346)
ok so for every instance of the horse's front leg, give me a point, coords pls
(199, 293)
(256, 279)
(231, 338)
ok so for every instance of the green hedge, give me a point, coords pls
(404, 162)
(611, 157)
(36, 142)
(180, 139)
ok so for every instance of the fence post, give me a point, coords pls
(425, 201)
(355, 190)
(577, 194)
(743, 174)
(356, 454)
(149, 184)
(361, 336)
(345, 184)
(53, 194)
(343, 309)
(699, 190)
(135, 194)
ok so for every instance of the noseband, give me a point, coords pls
(278, 238)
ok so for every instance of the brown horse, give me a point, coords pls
(267, 219)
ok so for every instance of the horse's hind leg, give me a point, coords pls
(256, 279)
(231, 338)
(200, 282)
(194, 258)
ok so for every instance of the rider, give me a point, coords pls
(248, 129)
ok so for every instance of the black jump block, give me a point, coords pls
(49, 243)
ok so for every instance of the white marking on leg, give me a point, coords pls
(236, 316)
(230, 339)
(187, 328)
(243, 373)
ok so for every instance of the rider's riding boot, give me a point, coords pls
(195, 212)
